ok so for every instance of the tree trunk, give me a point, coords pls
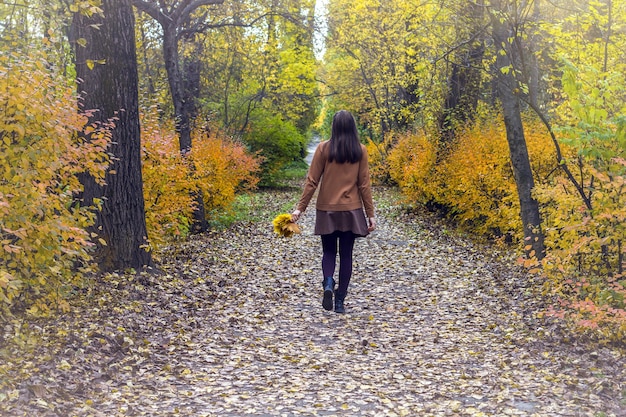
(464, 81)
(175, 81)
(106, 68)
(507, 87)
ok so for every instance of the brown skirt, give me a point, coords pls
(327, 222)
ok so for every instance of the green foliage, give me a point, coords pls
(584, 215)
(592, 118)
(278, 142)
(266, 67)
(45, 246)
(294, 171)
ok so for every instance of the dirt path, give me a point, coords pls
(234, 327)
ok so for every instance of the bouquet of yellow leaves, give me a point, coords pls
(284, 226)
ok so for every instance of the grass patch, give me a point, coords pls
(254, 207)
(295, 171)
(289, 177)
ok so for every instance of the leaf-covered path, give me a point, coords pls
(233, 326)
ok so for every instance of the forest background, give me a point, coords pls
(129, 124)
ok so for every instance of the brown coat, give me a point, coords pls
(344, 187)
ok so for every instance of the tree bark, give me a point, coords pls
(106, 69)
(507, 88)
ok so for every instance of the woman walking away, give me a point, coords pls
(345, 191)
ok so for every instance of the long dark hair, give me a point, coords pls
(344, 139)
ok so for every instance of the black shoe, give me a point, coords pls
(329, 289)
(339, 306)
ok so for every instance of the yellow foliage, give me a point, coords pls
(477, 177)
(284, 226)
(167, 183)
(474, 179)
(377, 157)
(477, 181)
(45, 248)
(585, 258)
(411, 163)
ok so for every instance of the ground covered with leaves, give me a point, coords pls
(231, 324)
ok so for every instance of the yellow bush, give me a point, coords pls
(167, 183)
(474, 180)
(477, 182)
(377, 156)
(585, 261)
(411, 163)
(45, 248)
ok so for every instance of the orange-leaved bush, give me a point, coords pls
(217, 166)
(45, 247)
(222, 166)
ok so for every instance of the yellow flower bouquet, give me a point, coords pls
(284, 226)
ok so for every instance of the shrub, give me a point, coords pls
(278, 143)
(167, 183)
(222, 166)
(411, 163)
(584, 266)
(477, 182)
(474, 180)
(45, 247)
(378, 154)
(216, 165)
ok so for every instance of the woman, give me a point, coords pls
(344, 192)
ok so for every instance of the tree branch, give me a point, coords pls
(189, 6)
(559, 156)
(153, 10)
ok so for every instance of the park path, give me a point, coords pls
(233, 326)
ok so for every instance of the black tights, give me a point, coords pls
(329, 258)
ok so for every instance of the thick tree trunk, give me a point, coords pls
(106, 68)
(522, 172)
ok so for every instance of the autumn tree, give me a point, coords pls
(256, 79)
(509, 55)
(106, 69)
(173, 20)
(384, 61)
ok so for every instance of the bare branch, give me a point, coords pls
(201, 27)
(181, 13)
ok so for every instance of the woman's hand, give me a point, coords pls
(295, 216)
(372, 226)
